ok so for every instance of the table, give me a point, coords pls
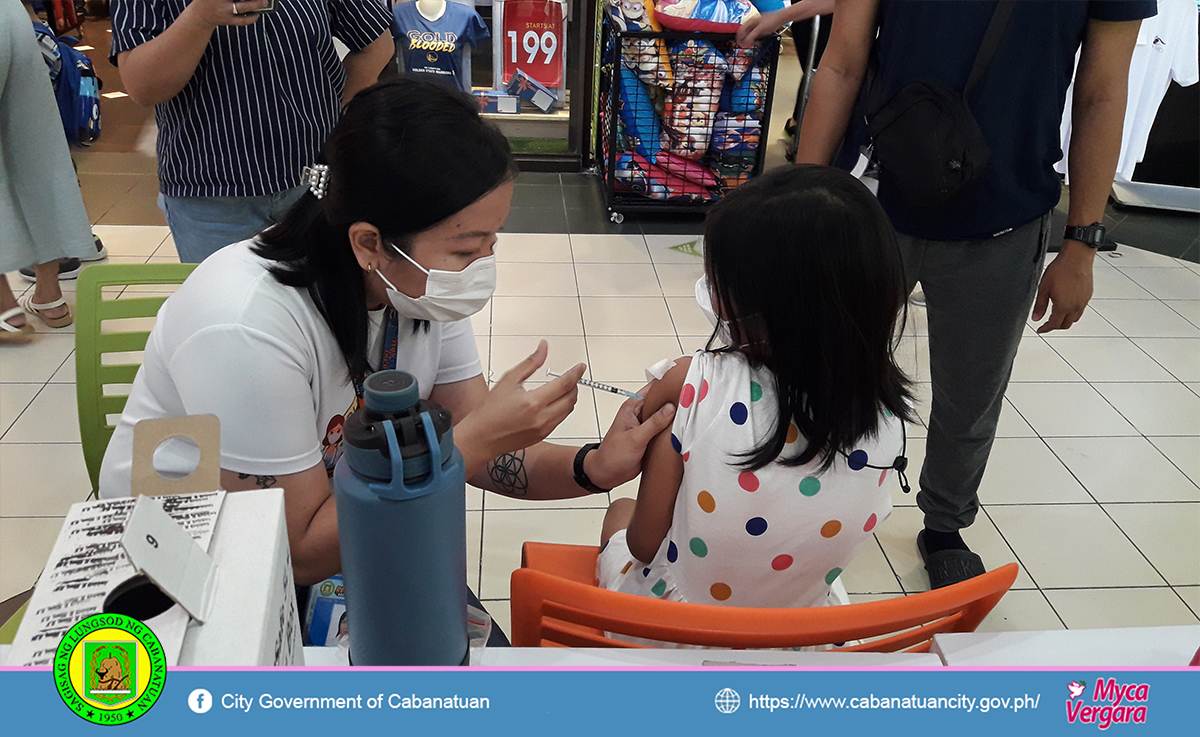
(543, 657)
(1127, 646)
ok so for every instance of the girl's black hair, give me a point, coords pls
(405, 156)
(804, 265)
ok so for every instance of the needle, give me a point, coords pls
(601, 387)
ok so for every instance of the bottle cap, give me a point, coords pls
(390, 391)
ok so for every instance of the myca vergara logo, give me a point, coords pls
(1112, 703)
(109, 669)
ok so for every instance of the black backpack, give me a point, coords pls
(926, 139)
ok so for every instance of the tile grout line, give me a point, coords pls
(1024, 568)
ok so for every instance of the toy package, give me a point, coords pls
(646, 56)
(640, 175)
(747, 96)
(326, 615)
(692, 105)
(713, 16)
(638, 116)
(733, 132)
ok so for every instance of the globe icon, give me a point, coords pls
(727, 701)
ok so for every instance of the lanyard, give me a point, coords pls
(387, 360)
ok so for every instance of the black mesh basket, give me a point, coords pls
(682, 117)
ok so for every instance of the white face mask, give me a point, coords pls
(704, 299)
(449, 295)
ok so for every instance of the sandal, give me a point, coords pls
(948, 567)
(10, 333)
(26, 302)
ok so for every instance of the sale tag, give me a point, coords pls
(534, 36)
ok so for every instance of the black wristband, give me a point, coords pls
(581, 477)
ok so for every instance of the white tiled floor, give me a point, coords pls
(1092, 486)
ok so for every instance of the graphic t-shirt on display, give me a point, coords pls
(433, 49)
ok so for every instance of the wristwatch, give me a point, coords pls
(1092, 236)
(581, 477)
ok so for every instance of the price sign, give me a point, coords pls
(534, 36)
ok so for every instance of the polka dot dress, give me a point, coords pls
(775, 537)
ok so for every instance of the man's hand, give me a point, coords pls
(213, 13)
(619, 457)
(1067, 285)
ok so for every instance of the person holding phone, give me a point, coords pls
(245, 94)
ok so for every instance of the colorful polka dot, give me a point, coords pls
(703, 389)
(748, 481)
(883, 476)
(888, 413)
(755, 391)
(793, 433)
(857, 460)
(659, 588)
(782, 562)
(706, 502)
(720, 591)
(672, 552)
(687, 396)
(626, 568)
(678, 446)
(832, 575)
(699, 549)
(831, 528)
(738, 413)
(871, 522)
(810, 486)
(686, 456)
(645, 573)
(756, 526)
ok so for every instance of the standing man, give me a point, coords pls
(245, 94)
(979, 255)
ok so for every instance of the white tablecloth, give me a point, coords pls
(1128, 646)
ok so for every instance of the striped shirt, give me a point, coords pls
(263, 98)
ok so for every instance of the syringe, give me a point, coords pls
(601, 387)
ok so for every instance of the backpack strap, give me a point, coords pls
(991, 42)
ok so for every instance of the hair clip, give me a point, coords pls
(317, 179)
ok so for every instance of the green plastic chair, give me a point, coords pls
(91, 373)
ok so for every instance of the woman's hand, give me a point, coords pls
(511, 418)
(759, 26)
(619, 457)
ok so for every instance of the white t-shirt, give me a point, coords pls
(236, 343)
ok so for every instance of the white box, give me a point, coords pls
(252, 618)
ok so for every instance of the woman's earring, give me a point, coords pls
(370, 268)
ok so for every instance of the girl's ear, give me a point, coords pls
(368, 245)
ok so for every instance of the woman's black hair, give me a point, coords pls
(804, 265)
(405, 156)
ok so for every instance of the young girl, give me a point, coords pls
(775, 470)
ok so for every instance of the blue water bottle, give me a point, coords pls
(401, 505)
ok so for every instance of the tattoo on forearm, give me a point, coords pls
(508, 474)
(262, 482)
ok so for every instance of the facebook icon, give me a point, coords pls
(200, 701)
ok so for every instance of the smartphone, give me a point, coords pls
(270, 7)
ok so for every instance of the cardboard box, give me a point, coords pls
(529, 89)
(254, 620)
(491, 101)
(244, 593)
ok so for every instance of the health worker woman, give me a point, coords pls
(379, 265)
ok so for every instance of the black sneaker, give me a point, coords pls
(101, 251)
(68, 268)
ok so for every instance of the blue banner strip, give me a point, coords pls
(217, 703)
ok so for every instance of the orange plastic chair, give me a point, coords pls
(556, 603)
